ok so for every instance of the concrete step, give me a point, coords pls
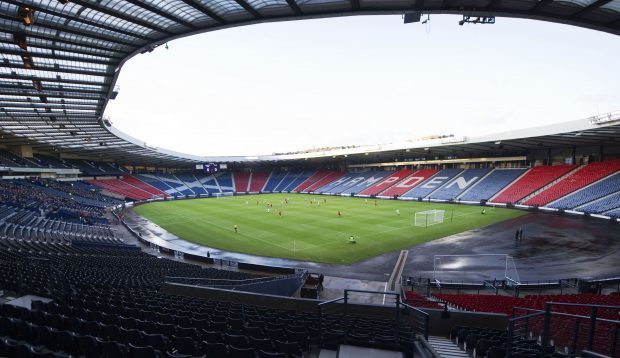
(346, 351)
(445, 348)
(328, 353)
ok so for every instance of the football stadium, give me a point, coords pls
(500, 242)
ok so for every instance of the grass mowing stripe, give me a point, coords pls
(310, 231)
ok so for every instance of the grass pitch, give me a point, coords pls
(309, 227)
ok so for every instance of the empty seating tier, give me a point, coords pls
(531, 181)
(387, 182)
(408, 183)
(576, 180)
(490, 185)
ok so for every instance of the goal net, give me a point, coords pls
(429, 217)
(475, 268)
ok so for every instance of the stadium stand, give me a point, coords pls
(408, 183)
(326, 179)
(490, 185)
(122, 188)
(387, 182)
(531, 181)
(293, 180)
(175, 183)
(429, 186)
(415, 299)
(224, 181)
(192, 182)
(131, 180)
(460, 183)
(608, 203)
(51, 162)
(589, 193)
(586, 175)
(106, 301)
(613, 213)
(258, 180)
(366, 180)
(209, 183)
(341, 185)
(11, 160)
(275, 179)
(316, 176)
(242, 181)
(154, 181)
(562, 326)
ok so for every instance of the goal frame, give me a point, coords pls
(437, 216)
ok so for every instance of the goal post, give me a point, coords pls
(429, 217)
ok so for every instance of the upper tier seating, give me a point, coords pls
(242, 181)
(430, 185)
(11, 160)
(367, 180)
(387, 182)
(595, 191)
(576, 180)
(51, 162)
(460, 183)
(91, 168)
(326, 179)
(531, 181)
(258, 180)
(408, 182)
(491, 184)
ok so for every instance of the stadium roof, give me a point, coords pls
(61, 58)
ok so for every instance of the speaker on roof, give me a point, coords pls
(413, 16)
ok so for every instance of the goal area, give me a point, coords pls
(429, 217)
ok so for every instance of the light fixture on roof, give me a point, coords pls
(20, 40)
(477, 20)
(27, 59)
(25, 13)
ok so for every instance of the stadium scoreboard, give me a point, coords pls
(211, 167)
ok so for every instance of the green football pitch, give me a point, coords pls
(308, 227)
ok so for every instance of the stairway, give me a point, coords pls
(445, 348)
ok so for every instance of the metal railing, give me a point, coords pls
(571, 332)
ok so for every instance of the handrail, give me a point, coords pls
(527, 316)
(425, 316)
(429, 348)
(581, 305)
(330, 301)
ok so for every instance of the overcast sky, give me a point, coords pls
(362, 80)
